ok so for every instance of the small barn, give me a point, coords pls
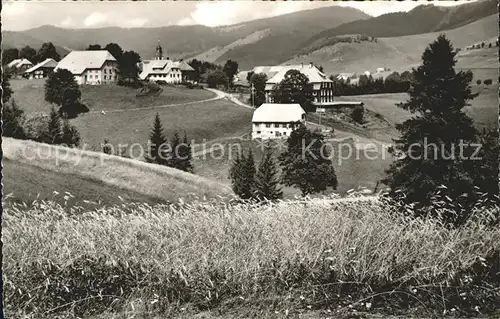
(41, 70)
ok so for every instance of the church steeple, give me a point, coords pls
(159, 52)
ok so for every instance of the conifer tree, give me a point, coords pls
(242, 176)
(185, 155)
(267, 179)
(13, 118)
(306, 163)
(158, 143)
(53, 134)
(174, 159)
(429, 147)
(70, 135)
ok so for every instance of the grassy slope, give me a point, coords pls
(26, 183)
(483, 109)
(29, 94)
(119, 173)
(398, 53)
(291, 256)
(208, 121)
(358, 169)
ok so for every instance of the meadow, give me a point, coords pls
(66, 168)
(328, 257)
(30, 96)
(353, 166)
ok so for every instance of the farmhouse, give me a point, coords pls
(20, 65)
(322, 87)
(41, 70)
(272, 121)
(166, 70)
(90, 67)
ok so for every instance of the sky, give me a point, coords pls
(20, 15)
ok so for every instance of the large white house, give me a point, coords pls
(166, 70)
(322, 86)
(91, 67)
(271, 121)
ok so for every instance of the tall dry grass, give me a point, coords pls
(294, 254)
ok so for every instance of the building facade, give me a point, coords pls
(164, 69)
(276, 121)
(91, 67)
(41, 70)
(322, 87)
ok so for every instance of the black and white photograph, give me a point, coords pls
(250, 159)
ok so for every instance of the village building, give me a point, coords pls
(41, 70)
(20, 65)
(164, 69)
(274, 121)
(322, 86)
(91, 67)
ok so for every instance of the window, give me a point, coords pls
(284, 133)
(258, 132)
(105, 71)
(268, 125)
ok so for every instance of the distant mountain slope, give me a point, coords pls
(398, 53)
(18, 40)
(422, 19)
(188, 41)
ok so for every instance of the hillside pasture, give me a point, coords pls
(354, 165)
(24, 183)
(403, 53)
(30, 96)
(202, 121)
(150, 180)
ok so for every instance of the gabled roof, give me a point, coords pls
(282, 113)
(162, 67)
(313, 74)
(78, 61)
(18, 63)
(48, 63)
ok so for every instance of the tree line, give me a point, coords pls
(393, 83)
(215, 75)
(46, 51)
(311, 171)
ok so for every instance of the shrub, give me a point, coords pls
(478, 82)
(357, 114)
(488, 82)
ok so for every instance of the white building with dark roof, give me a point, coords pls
(166, 70)
(91, 67)
(271, 121)
(322, 86)
(41, 70)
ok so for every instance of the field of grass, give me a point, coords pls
(115, 173)
(353, 166)
(29, 95)
(345, 259)
(208, 120)
(483, 109)
(24, 183)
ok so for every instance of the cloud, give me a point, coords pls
(12, 9)
(68, 22)
(95, 19)
(137, 22)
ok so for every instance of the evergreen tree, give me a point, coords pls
(267, 179)
(429, 146)
(486, 169)
(174, 159)
(70, 135)
(53, 134)
(242, 175)
(158, 143)
(13, 118)
(306, 163)
(185, 155)
(6, 89)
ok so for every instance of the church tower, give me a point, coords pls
(159, 52)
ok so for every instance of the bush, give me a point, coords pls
(488, 82)
(357, 114)
(161, 82)
(72, 111)
(478, 82)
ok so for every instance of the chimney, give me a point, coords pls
(310, 64)
(168, 58)
(301, 65)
